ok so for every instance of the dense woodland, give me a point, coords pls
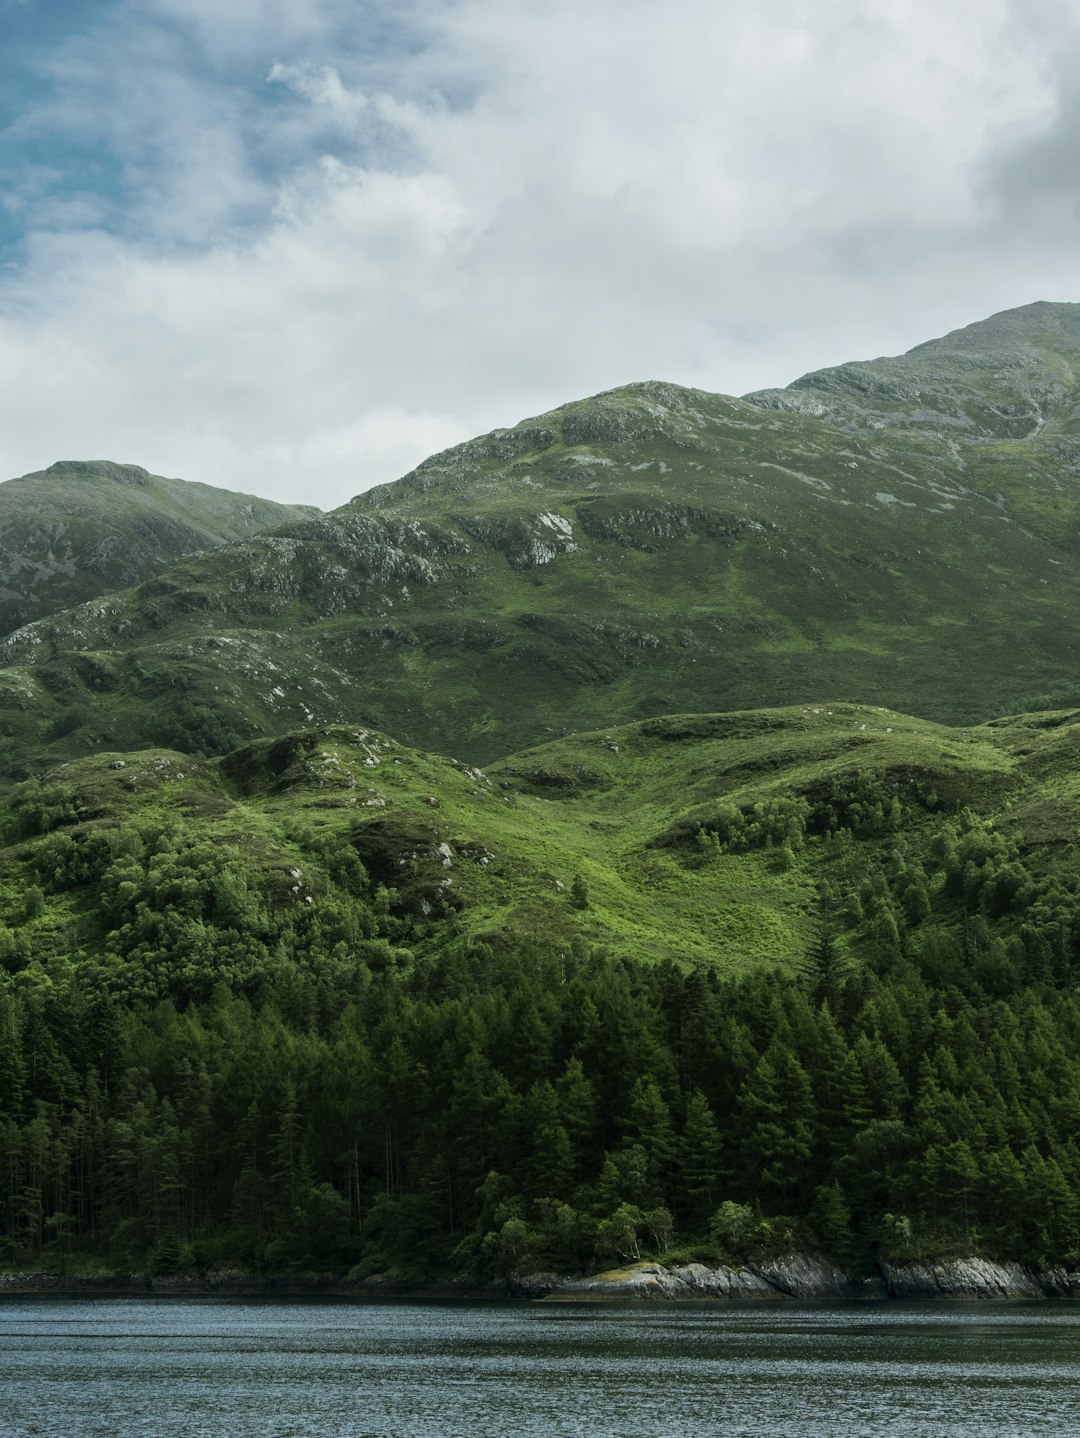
(196, 1074)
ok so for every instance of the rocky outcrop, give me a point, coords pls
(1060, 1283)
(802, 1276)
(806, 1275)
(792, 1276)
(975, 1278)
(651, 1280)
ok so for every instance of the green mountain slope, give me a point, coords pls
(650, 550)
(78, 530)
(1012, 376)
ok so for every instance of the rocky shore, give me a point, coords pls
(794, 1276)
(807, 1276)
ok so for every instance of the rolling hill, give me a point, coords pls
(709, 838)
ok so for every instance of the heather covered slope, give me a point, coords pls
(80, 529)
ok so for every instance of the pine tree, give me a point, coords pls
(824, 966)
(700, 1157)
(777, 1136)
(830, 1218)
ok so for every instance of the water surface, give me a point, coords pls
(234, 1368)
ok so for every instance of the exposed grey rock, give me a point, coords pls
(802, 1276)
(805, 1275)
(973, 1278)
(653, 1280)
(795, 1275)
(1060, 1283)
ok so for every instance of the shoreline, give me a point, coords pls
(792, 1278)
(246, 1285)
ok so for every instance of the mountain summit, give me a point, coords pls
(1006, 377)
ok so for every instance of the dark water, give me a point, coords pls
(140, 1368)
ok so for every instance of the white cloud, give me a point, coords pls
(322, 85)
(344, 247)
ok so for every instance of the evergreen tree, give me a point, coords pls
(700, 1158)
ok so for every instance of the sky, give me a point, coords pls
(292, 247)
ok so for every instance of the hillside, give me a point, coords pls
(708, 986)
(650, 550)
(708, 838)
(81, 529)
(1012, 376)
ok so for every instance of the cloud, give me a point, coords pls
(1034, 180)
(328, 239)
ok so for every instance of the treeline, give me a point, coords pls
(486, 1112)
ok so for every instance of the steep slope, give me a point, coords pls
(649, 550)
(80, 529)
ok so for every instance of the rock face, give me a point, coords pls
(976, 1278)
(804, 1275)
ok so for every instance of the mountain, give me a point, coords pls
(1011, 376)
(81, 529)
(743, 942)
(901, 533)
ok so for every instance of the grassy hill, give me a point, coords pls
(701, 987)
(81, 529)
(708, 838)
